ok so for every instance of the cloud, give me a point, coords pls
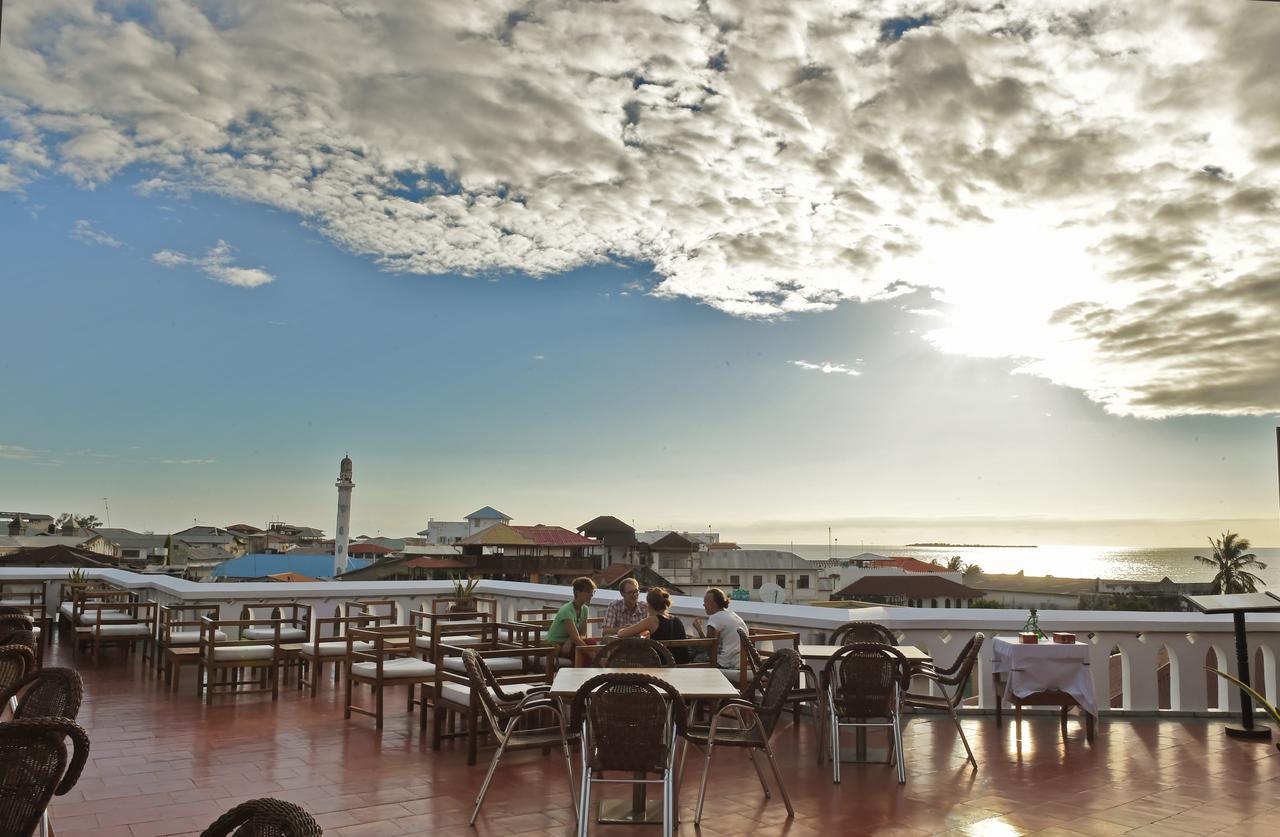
(826, 368)
(1047, 172)
(84, 232)
(216, 264)
(188, 461)
(18, 452)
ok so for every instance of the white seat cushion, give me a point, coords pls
(334, 649)
(119, 629)
(463, 641)
(401, 667)
(193, 637)
(24, 603)
(287, 634)
(243, 652)
(460, 695)
(504, 665)
(90, 617)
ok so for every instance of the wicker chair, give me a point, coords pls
(757, 714)
(862, 632)
(634, 652)
(264, 818)
(629, 723)
(46, 693)
(954, 678)
(13, 620)
(813, 693)
(506, 710)
(34, 766)
(15, 662)
(865, 681)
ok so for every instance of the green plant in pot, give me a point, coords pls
(78, 576)
(464, 589)
(1253, 693)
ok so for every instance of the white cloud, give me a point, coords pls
(188, 461)
(17, 452)
(1080, 185)
(216, 264)
(826, 368)
(84, 232)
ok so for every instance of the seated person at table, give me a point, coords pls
(626, 611)
(660, 624)
(569, 628)
(725, 625)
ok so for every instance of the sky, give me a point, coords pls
(914, 271)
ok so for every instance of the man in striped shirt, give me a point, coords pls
(627, 610)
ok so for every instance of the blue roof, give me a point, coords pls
(258, 565)
(488, 513)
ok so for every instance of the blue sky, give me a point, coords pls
(914, 274)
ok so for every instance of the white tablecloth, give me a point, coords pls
(1046, 666)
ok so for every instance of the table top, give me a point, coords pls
(707, 683)
(811, 652)
(1012, 645)
(1235, 603)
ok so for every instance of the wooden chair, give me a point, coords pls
(71, 599)
(757, 714)
(629, 723)
(334, 647)
(382, 657)
(224, 661)
(953, 678)
(288, 622)
(178, 636)
(384, 609)
(264, 818)
(31, 599)
(35, 766)
(115, 621)
(506, 710)
(865, 682)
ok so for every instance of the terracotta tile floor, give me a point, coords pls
(164, 763)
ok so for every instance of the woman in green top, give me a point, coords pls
(569, 629)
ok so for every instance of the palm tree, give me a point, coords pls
(955, 564)
(1232, 559)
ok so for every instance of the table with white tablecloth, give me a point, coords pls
(1044, 674)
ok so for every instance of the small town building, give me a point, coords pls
(908, 590)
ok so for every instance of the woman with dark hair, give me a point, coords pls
(660, 624)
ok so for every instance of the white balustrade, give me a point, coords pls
(1139, 636)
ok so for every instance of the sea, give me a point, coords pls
(1135, 563)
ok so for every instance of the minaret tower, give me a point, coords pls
(343, 536)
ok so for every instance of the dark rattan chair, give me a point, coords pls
(34, 766)
(865, 682)
(629, 723)
(264, 818)
(634, 652)
(807, 689)
(47, 693)
(862, 632)
(15, 662)
(954, 679)
(505, 712)
(757, 714)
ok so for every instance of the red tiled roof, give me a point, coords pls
(911, 586)
(911, 565)
(553, 536)
(369, 549)
(724, 545)
(436, 564)
(291, 577)
(611, 574)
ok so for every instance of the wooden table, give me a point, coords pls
(1238, 604)
(1047, 674)
(691, 683)
(177, 656)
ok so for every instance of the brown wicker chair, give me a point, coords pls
(862, 632)
(812, 693)
(954, 678)
(34, 766)
(629, 723)
(264, 818)
(757, 714)
(634, 652)
(506, 710)
(15, 662)
(865, 681)
(13, 620)
(46, 693)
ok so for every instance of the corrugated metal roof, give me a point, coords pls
(261, 564)
(915, 586)
(488, 513)
(758, 559)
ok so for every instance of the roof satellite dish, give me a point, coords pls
(772, 593)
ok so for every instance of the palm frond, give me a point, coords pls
(1252, 692)
(1204, 560)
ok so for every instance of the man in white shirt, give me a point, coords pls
(723, 624)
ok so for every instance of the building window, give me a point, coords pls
(733, 581)
(129, 553)
(780, 580)
(948, 603)
(802, 583)
(757, 581)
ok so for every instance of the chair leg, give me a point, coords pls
(377, 706)
(702, 785)
(346, 704)
(488, 777)
(834, 721)
(584, 797)
(963, 738)
(759, 774)
(897, 746)
(777, 777)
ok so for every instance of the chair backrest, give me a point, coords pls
(772, 685)
(634, 652)
(866, 679)
(16, 622)
(963, 668)
(749, 652)
(10, 610)
(863, 632)
(34, 766)
(19, 636)
(264, 818)
(487, 688)
(47, 693)
(627, 721)
(15, 662)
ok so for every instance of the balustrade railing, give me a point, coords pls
(1136, 638)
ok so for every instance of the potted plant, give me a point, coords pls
(464, 589)
(1253, 693)
(78, 576)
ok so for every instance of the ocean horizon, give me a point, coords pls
(1138, 563)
